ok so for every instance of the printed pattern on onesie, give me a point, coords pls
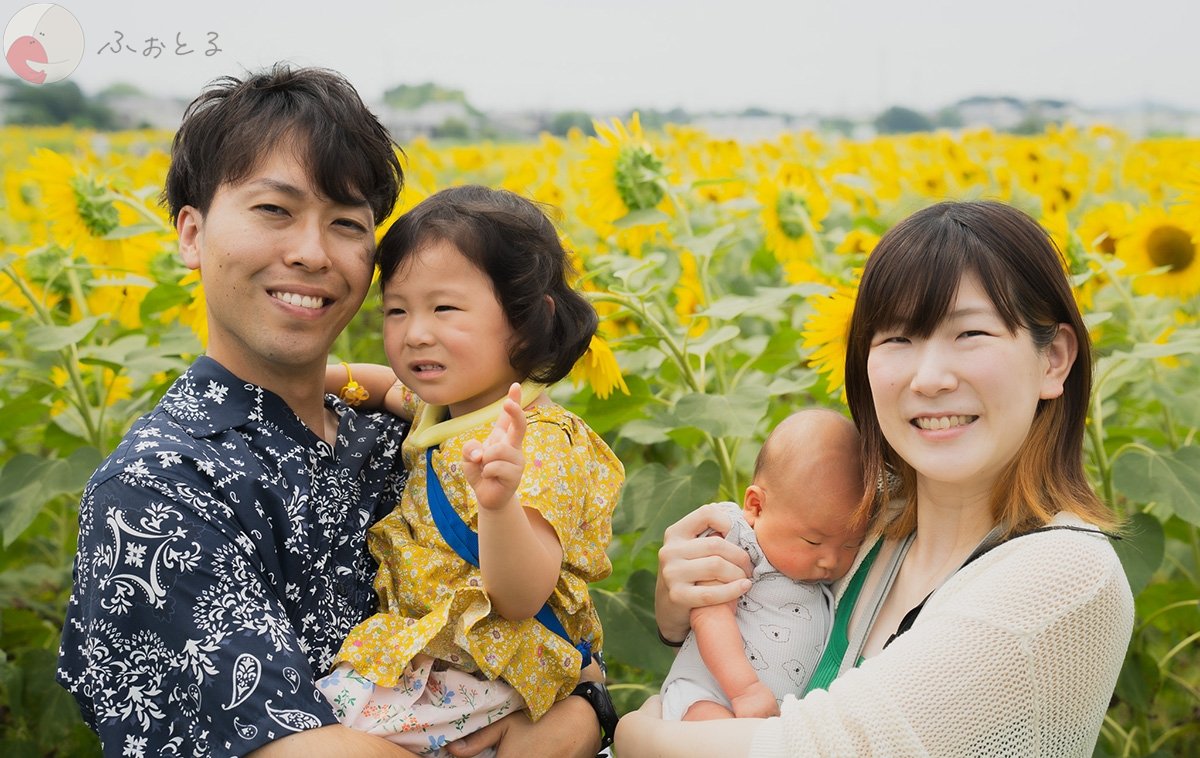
(784, 626)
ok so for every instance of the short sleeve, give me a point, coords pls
(573, 479)
(175, 642)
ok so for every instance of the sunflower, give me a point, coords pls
(1102, 227)
(622, 172)
(1189, 194)
(599, 368)
(793, 206)
(825, 333)
(857, 242)
(82, 214)
(689, 295)
(1161, 238)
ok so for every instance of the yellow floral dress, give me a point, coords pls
(433, 602)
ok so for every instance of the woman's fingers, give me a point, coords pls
(697, 522)
(701, 559)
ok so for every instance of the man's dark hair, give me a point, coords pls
(229, 129)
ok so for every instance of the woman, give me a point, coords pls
(989, 615)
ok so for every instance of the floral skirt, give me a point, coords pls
(429, 708)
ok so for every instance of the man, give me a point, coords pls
(222, 552)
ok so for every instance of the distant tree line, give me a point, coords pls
(54, 104)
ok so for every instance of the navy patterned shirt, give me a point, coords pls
(222, 560)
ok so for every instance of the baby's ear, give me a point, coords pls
(752, 503)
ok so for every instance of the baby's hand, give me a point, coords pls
(756, 702)
(493, 468)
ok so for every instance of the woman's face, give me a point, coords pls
(957, 405)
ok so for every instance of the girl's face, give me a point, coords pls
(445, 332)
(957, 405)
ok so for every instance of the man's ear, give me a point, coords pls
(189, 225)
(753, 502)
(1060, 357)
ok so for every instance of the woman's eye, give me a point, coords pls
(394, 312)
(974, 333)
(444, 308)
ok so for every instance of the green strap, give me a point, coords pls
(831, 659)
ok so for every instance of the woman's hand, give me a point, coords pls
(637, 731)
(643, 734)
(694, 571)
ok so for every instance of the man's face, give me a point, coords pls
(284, 269)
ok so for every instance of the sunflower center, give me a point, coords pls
(639, 173)
(96, 212)
(792, 212)
(1170, 246)
(1107, 244)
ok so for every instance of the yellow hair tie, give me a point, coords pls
(353, 393)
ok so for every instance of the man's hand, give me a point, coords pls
(331, 741)
(568, 730)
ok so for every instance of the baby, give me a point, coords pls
(796, 525)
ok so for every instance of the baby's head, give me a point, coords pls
(807, 483)
(475, 257)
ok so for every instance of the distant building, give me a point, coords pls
(1000, 113)
(422, 121)
(135, 110)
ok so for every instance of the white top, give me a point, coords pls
(1017, 654)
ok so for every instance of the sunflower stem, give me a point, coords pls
(1141, 335)
(139, 208)
(676, 352)
(69, 356)
(1096, 437)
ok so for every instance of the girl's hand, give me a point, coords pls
(695, 571)
(493, 468)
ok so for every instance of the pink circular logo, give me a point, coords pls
(43, 43)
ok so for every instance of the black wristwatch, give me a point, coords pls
(597, 694)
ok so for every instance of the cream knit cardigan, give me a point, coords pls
(1017, 654)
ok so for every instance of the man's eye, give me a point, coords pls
(273, 210)
(351, 224)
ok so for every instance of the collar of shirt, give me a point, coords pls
(209, 400)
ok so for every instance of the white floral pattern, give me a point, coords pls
(222, 560)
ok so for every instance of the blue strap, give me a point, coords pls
(464, 541)
(454, 530)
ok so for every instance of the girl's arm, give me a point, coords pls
(695, 571)
(384, 391)
(519, 553)
(721, 648)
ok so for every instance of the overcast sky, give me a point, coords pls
(611, 55)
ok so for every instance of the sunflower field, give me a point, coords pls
(724, 273)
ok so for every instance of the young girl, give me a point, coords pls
(479, 319)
